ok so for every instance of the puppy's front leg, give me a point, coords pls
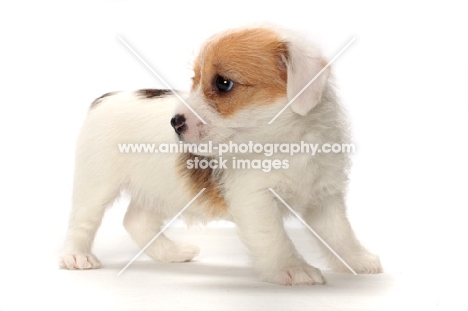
(261, 229)
(329, 220)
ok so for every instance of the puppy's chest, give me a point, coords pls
(300, 184)
(295, 181)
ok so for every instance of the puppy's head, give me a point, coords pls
(242, 79)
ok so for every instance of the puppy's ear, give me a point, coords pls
(303, 65)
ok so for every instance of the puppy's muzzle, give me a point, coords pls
(178, 123)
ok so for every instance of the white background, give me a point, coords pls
(403, 81)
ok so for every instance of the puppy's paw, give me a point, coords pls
(79, 262)
(182, 252)
(296, 275)
(364, 263)
(369, 264)
(177, 252)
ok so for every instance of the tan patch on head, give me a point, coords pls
(253, 59)
(196, 179)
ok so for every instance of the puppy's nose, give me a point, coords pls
(178, 123)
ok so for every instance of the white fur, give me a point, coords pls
(313, 186)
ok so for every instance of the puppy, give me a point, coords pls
(243, 78)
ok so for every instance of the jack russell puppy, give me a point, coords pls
(242, 79)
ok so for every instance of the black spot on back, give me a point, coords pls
(99, 99)
(151, 93)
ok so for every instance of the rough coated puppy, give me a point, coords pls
(242, 79)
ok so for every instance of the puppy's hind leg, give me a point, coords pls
(143, 224)
(329, 220)
(89, 204)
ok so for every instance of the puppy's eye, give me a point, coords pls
(223, 85)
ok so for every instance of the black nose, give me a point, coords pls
(178, 123)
